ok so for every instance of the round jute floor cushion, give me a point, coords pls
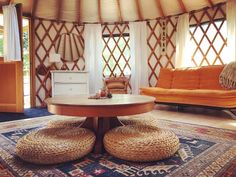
(55, 145)
(139, 119)
(66, 122)
(140, 143)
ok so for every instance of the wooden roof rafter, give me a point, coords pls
(182, 6)
(99, 11)
(159, 7)
(78, 11)
(34, 8)
(119, 11)
(43, 9)
(5, 3)
(10, 1)
(140, 15)
(210, 2)
(59, 9)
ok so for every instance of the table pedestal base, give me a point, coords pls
(100, 125)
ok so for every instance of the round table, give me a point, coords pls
(101, 114)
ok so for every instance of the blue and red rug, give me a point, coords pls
(204, 151)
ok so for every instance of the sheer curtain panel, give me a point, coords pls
(182, 58)
(11, 41)
(231, 28)
(138, 58)
(93, 56)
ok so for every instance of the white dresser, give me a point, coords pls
(69, 82)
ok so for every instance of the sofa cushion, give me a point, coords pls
(206, 97)
(165, 78)
(187, 78)
(209, 77)
(116, 85)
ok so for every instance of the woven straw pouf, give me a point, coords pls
(55, 145)
(66, 122)
(139, 119)
(140, 143)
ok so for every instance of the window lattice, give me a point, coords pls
(208, 37)
(116, 51)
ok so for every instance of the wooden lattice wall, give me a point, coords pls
(48, 34)
(208, 37)
(208, 41)
(47, 37)
(156, 58)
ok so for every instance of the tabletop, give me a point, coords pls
(118, 105)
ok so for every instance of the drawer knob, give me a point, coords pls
(70, 78)
(70, 89)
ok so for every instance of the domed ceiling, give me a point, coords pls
(93, 11)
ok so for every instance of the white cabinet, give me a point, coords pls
(69, 82)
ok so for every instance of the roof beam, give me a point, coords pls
(140, 15)
(159, 7)
(99, 11)
(34, 7)
(210, 3)
(182, 6)
(10, 2)
(119, 11)
(59, 7)
(79, 11)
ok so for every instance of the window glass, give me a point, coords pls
(1, 35)
(208, 43)
(116, 55)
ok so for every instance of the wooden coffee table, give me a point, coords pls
(101, 113)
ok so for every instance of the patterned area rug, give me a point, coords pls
(28, 113)
(204, 151)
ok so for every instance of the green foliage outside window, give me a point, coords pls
(26, 67)
(1, 44)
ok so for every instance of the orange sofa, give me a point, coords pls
(192, 86)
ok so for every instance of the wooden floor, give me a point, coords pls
(195, 115)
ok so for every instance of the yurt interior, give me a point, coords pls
(117, 88)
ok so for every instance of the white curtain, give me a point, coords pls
(182, 58)
(11, 41)
(93, 56)
(138, 60)
(231, 29)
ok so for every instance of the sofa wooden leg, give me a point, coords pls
(230, 112)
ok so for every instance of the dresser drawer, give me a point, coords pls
(70, 89)
(70, 77)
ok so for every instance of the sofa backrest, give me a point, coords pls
(209, 77)
(165, 78)
(187, 78)
(206, 77)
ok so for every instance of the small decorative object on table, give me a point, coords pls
(109, 94)
(96, 96)
(102, 94)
